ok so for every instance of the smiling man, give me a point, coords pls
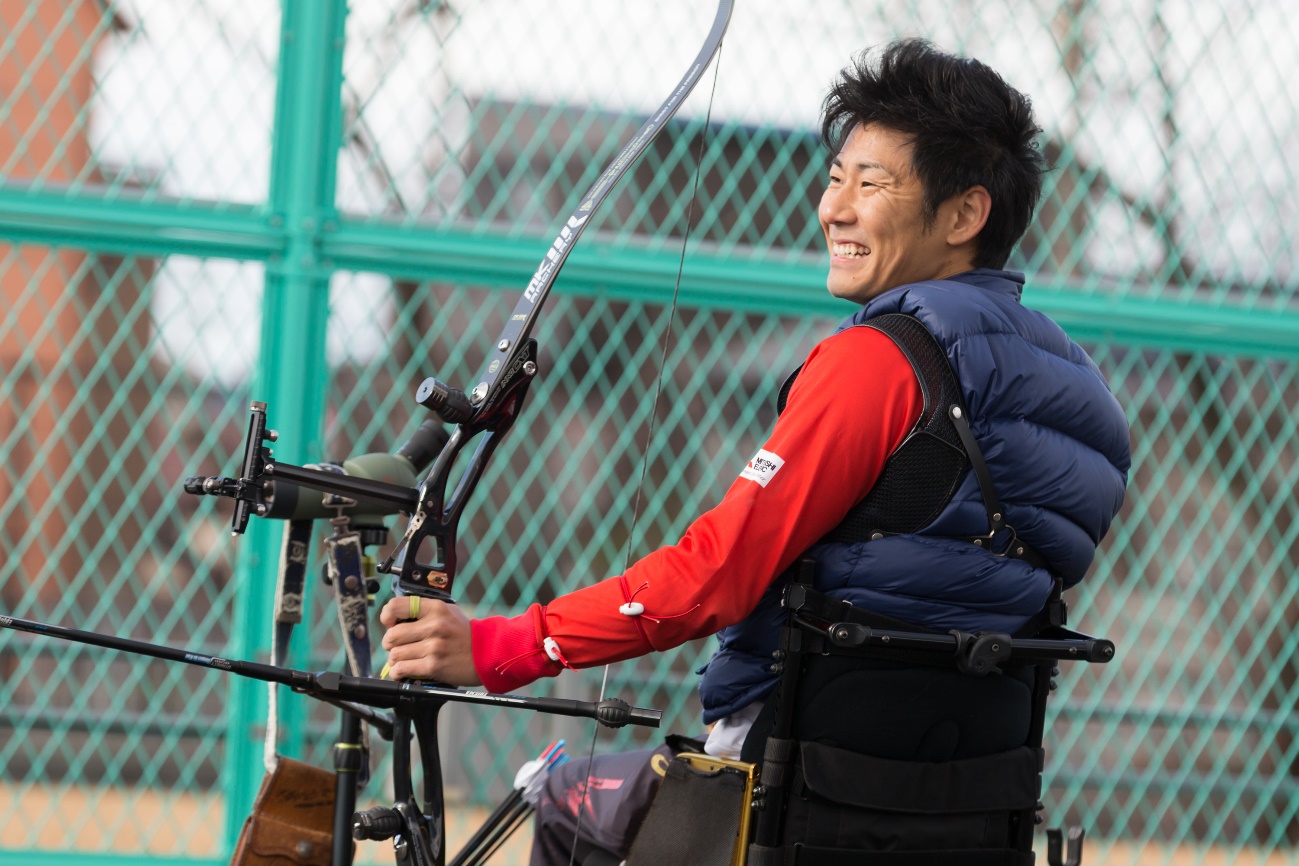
(934, 177)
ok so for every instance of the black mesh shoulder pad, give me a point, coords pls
(921, 476)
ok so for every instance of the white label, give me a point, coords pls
(763, 467)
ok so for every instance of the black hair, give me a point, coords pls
(966, 127)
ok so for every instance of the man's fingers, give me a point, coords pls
(387, 615)
(415, 640)
(415, 669)
(405, 608)
(415, 661)
(433, 622)
(436, 645)
(401, 608)
(404, 633)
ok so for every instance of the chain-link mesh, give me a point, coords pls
(101, 414)
(177, 199)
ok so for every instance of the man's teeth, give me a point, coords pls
(850, 250)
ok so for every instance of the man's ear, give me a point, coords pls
(968, 215)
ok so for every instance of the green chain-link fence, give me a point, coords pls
(204, 202)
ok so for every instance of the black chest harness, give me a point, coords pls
(921, 476)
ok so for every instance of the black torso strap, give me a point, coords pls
(921, 476)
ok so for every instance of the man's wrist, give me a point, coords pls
(508, 652)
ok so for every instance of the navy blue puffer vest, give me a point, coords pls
(1056, 444)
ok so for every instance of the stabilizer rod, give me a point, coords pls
(335, 687)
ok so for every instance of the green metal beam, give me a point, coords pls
(128, 226)
(1189, 327)
(1087, 312)
(620, 271)
(81, 858)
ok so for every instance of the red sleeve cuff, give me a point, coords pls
(507, 651)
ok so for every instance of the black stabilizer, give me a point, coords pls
(451, 404)
(613, 713)
(424, 445)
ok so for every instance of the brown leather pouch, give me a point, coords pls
(292, 821)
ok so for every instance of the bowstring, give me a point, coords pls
(649, 432)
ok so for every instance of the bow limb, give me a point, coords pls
(494, 402)
(525, 312)
(649, 435)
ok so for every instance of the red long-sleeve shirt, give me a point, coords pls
(854, 402)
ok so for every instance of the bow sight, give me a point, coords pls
(372, 484)
(381, 484)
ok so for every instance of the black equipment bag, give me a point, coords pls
(700, 816)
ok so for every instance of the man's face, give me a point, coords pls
(872, 213)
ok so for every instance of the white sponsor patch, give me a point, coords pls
(763, 467)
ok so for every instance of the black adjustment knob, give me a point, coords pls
(211, 485)
(376, 824)
(451, 405)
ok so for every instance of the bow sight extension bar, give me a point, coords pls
(379, 484)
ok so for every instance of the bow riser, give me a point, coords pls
(438, 518)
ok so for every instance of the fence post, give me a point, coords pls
(291, 373)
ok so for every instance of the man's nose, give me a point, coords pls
(834, 206)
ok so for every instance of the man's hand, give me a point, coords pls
(436, 645)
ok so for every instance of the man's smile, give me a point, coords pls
(847, 250)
